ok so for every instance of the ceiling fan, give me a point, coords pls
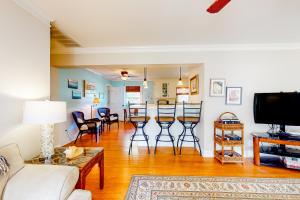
(125, 75)
(217, 6)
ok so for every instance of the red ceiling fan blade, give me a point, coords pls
(217, 6)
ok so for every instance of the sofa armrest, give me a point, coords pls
(80, 195)
(47, 182)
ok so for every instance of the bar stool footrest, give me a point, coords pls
(140, 135)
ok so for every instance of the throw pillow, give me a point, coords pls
(12, 154)
(4, 168)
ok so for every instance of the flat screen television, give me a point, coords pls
(277, 108)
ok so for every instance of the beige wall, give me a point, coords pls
(172, 84)
(25, 74)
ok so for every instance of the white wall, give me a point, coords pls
(254, 70)
(25, 74)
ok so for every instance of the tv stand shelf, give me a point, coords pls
(276, 151)
(270, 154)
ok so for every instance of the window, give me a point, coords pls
(133, 94)
(182, 94)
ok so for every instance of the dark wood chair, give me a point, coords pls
(92, 126)
(189, 120)
(107, 117)
(165, 118)
(138, 118)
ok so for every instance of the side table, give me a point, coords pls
(85, 162)
(228, 156)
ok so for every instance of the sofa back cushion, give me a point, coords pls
(12, 154)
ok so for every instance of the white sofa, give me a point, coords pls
(36, 182)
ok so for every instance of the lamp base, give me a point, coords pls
(47, 146)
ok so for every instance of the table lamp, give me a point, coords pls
(96, 101)
(46, 114)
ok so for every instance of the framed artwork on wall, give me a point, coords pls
(164, 89)
(89, 88)
(217, 88)
(194, 85)
(233, 95)
(182, 90)
(73, 84)
(76, 94)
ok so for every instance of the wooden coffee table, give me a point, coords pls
(85, 162)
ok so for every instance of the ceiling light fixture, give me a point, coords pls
(124, 75)
(124, 78)
(145, 84)
(180, 80)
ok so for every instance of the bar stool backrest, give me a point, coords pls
(137, 110)
(166, 110)
(192, 111)
(163, 101)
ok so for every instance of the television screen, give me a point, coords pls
(277, 108)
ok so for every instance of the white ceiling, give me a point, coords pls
(115, 23)
(169, 71)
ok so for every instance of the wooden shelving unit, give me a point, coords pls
(224, 155)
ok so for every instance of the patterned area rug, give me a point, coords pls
(197, 187)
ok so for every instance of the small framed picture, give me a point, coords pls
(164, 89)
(73, 84)
(233, 95)
(76, 94)
(89, 89)
(217, 87)
(194, 85)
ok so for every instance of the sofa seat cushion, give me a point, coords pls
(47, 182)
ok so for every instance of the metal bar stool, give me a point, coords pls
(189, 120)
(165, 118)
(138, 117)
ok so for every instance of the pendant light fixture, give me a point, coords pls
(180, 80)
(145, 84)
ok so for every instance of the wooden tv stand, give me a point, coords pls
(273, 154)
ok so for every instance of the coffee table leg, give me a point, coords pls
(101, 170)
(81, 182)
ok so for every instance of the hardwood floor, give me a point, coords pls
(119, 167)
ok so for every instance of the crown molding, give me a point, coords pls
(95, 72)
(34, 10)
(178, 48)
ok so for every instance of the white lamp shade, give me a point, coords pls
(44, 112)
